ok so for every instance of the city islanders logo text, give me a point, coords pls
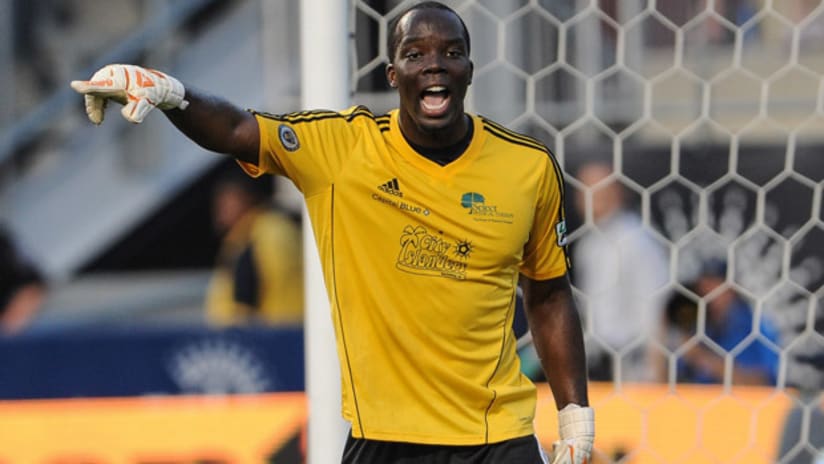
(481, 211)
(428, 254)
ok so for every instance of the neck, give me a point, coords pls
(446, 154)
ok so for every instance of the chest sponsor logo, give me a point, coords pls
(428, 254)
(481, 211)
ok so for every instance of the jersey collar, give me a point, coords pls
(425, 164)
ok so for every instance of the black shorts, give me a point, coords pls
(523, 450)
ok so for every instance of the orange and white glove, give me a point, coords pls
(576, 426)
(138, 89)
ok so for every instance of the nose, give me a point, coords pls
(434, 63)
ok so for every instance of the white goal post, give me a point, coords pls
(324, 84)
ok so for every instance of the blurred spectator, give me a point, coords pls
(22, 288)
(621, 271)
(729, 321)
(259, 272)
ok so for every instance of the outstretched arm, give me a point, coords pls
(559, 342)
(209, 121)
(217, 125)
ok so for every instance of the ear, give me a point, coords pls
(471, 73)
(390, 76)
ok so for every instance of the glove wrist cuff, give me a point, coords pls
(576, 422)
(175, 98)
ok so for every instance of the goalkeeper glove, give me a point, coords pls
(576, 425)
(138, 89)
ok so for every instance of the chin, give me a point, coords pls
(433, 127)
(438, 124)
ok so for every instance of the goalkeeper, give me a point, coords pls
(425, 220)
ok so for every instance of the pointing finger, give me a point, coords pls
(103, 87)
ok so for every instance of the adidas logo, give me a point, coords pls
(392, 187)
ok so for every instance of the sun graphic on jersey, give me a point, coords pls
(463, 249)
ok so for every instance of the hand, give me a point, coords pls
(576, 425)
(138, 89)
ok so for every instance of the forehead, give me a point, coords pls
(430, 23)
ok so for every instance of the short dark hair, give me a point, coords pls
(392, 38)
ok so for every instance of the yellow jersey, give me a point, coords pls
(421, 265)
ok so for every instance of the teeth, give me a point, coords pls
(436, 88)
(438, 107)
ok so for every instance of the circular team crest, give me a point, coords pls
(288, 138)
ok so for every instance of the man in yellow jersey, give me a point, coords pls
(425, 219)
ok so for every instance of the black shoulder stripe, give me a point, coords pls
(511, 132)
(517, 140)
(504, 136)
(294, 116)
(514, 137)
(317, 115)
(360, 110)
(559, 176)
(309, 115)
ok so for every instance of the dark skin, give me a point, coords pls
(558, 338)
(431, 52)
(218, 126)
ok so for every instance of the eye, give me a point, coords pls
(413, 55)
(455, 53)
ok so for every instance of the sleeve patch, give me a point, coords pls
(561, 233)
(288, 138)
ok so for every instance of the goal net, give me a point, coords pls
(704, 121)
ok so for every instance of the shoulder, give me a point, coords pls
(515, 141)
(358, 113)
(527, 151)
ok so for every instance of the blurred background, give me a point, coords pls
(691, 133)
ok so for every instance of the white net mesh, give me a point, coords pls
(706, 117)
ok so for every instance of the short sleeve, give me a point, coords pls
(545, 253)
(309, 147)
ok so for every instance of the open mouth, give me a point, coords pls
(435, 100)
